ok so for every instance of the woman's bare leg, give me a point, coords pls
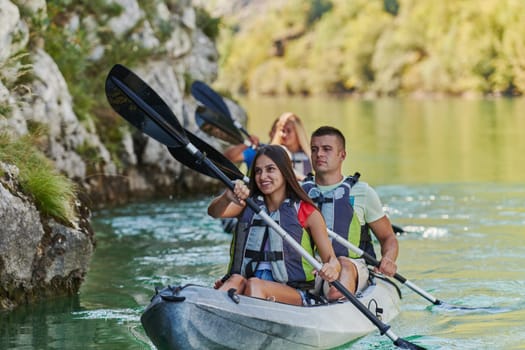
(273, 291)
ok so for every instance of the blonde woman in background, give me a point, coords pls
(291, 134)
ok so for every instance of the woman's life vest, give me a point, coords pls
(255, 242)
(338, 211)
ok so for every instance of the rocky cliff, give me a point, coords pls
(39, 256)
(140, 167)
(166, 48)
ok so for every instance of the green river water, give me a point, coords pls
(451, 172)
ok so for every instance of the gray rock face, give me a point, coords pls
(19, 237)
(39, 257)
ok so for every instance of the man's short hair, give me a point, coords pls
(330, 130)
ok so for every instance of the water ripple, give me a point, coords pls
(122, 315)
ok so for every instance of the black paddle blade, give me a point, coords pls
(134, 100)
(217, 125)
(398, 229)
(208, 97)
(405, 344)
(470, 309)
(221, 162)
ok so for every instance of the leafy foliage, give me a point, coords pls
(16, 71)
(383, 46)
(5, 109)
(208, 24)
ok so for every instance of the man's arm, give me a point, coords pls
(382, 229)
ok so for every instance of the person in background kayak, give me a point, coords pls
(291, 134)
(288, 131)
(351, 208)
(242, 153)
(270, 268)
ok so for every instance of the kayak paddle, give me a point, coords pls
(123, 105)
(211, 99)
(208, 97)
(228, 168)
(214, 124)
(124, 87)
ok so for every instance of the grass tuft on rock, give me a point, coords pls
(54, 194)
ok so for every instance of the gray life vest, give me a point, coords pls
(338, 203)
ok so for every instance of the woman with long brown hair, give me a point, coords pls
(271, 268)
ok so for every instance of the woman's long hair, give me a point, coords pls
(281, 159)
(300, 131)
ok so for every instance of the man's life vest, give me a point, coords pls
(338, 211)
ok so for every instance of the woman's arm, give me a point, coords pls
(317, 227)
(230, 203)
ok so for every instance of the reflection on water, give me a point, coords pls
(450, 173)
(59, 324)
(414, 141)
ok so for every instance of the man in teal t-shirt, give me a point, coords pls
(328, 153)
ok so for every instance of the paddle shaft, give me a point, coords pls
(374, 262)
(383, 328)
(240, 127)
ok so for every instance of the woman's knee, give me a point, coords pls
(235, 281)
(239, 280)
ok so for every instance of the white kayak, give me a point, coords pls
(197, 317)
